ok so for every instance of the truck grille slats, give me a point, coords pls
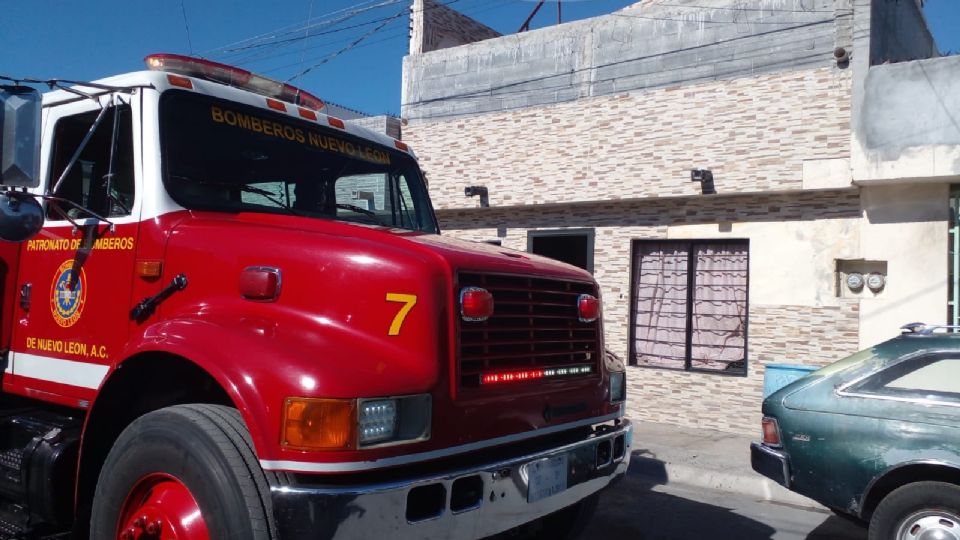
(535, 324)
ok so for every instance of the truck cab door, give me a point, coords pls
(75, 276)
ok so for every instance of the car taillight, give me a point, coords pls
(588, 308)
(476, 304)
(771, 431)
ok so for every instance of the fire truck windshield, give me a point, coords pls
(225, 156)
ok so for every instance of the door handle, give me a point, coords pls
(25, 296)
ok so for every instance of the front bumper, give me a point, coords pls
(467, 503)
(770, 462)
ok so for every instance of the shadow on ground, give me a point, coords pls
(633, 510)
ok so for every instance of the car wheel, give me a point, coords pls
(183, 472)
(565, 524)
(918, 511)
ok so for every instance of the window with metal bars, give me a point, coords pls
(689, 307)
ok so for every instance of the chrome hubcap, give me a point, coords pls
(930, 525)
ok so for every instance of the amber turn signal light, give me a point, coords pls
(319, 424)
(149, 269)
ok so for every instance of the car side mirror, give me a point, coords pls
(21, 216)
(20, 109)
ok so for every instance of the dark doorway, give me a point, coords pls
(572, 246)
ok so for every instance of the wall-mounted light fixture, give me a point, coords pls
(705, 177)
(481, 191)
(842, 57)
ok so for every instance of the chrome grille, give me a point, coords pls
(535, 324)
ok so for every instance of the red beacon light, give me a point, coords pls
(476, 304)
(588, 308)
(232, 76)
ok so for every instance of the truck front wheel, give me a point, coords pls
(183, 472)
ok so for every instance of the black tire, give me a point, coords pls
(565, 524)
(906, 502)
(208, 449)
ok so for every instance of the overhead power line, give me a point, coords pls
(291, 34)
(280, 52)
(737, 8)
(290, 28)
(186, 25)
(352, 44)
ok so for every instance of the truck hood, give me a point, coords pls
(363, 312)
(458, 254)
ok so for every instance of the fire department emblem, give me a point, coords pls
(68, 294)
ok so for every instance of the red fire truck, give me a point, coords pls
(226, 314)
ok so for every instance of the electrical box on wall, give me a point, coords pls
(859, 278)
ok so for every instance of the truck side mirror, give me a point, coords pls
(20, 109)
(21, 216)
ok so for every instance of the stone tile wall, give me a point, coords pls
(813, 334)
(753, 132)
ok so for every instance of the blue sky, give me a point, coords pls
(94, 39)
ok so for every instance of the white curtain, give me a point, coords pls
(719, 306)
(719, 311)
(660, 332)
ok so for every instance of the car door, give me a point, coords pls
(75, 276)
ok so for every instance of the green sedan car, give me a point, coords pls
(875, 436)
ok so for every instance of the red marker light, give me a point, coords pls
(260, 283)
(497, 377)
(476, 304)
(511, 376)
(588, 308)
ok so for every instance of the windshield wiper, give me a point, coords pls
(268, 195)
(364, 211)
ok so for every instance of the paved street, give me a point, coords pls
(635, 510)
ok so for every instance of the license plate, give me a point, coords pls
(546, 477)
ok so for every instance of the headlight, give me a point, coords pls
(393, 420)
(618, 386)
(347, 424)
(378, 421)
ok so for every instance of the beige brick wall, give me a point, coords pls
(753, 132)
(814, 334)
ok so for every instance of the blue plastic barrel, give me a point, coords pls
(776, 376)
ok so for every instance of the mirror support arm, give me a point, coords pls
(68, 202)
(80, 148)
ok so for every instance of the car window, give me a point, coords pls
(934, 377)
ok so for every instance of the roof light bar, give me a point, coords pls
(232, 76)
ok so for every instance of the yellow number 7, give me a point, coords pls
(408, 301)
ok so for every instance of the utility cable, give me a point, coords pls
(289, 29)
(269, 55)
(351, 45)
(728, 8)
(327, 22)
(303, 51)
(183, 10)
